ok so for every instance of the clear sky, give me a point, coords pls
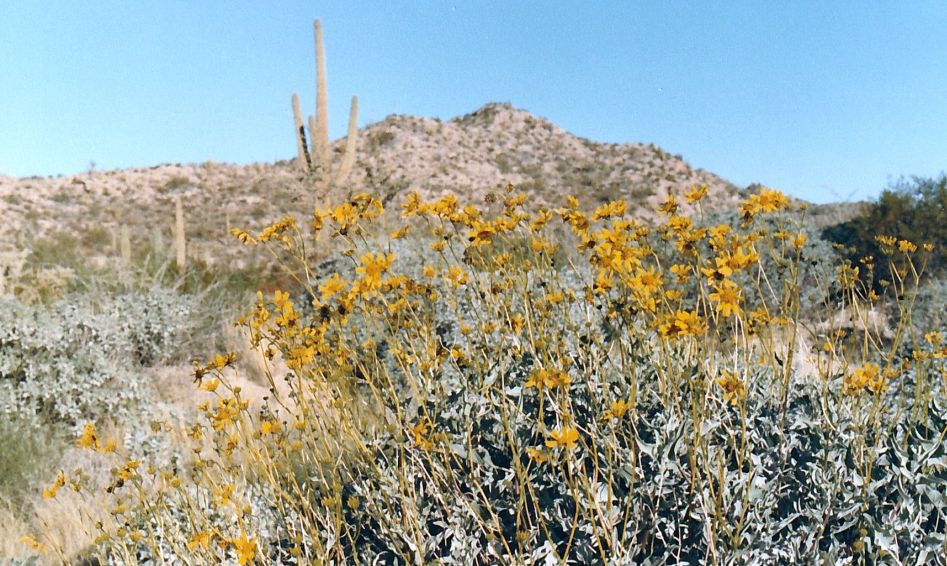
(825, 100)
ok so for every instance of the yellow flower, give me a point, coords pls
(683, 323)
(718, 235)
(456, 276)
(669, 206)
(412, 204)
(223, 360)
(401, 232)
(617, 409)
(34, 544)
(419, 432)
(277, 230)
(728, 299)
(51, 492)
(614, 208)
(540, 245)
(537, 455)
(128, 470)
(226, 414)
(695, 194)
(210, 385)
(741, 259)
(720, 269)
(446, 206)
(542, 218)
(603, 281)
(331, 286)
(269, 426)
(549, 379)
(646, 282)
(300, 355)
(771, 201)
(481, 233)
(565, 437)
(200, 539)
(345, 215)
(767, 200)
(906, 246)
(799, 241)
(245, 548)
(733, 387)
(372, 268)
(243, 236)
(318, 220)
(555, 297)
(89, 437)
(869, 375)
(682, 272)
(224, 494)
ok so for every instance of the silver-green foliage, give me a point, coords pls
(800, 492)
(80, 358)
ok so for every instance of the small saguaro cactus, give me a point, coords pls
(313, 154)
(125, 244)
(179, 238)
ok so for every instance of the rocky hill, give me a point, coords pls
(471, 156)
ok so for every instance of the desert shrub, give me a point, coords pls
(27, 446)
(661, 396)
(913, 210)
(77, 360)
(152, 323)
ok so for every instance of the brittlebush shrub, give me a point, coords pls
(469, 389)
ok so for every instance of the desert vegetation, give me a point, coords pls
(660, 369)
(507, 383)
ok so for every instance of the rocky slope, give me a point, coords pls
(470, 155)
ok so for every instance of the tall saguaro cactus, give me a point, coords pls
(314, 154)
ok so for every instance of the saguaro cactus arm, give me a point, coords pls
(351, 140)
(305, 163)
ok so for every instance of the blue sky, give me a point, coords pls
(825, 100)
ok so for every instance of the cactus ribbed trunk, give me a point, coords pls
(125, 245)
(322, 99)
(179, 239)
(316, 150)
(157, 242)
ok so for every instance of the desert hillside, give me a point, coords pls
(470, 155)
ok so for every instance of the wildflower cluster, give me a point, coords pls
(520, 385)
